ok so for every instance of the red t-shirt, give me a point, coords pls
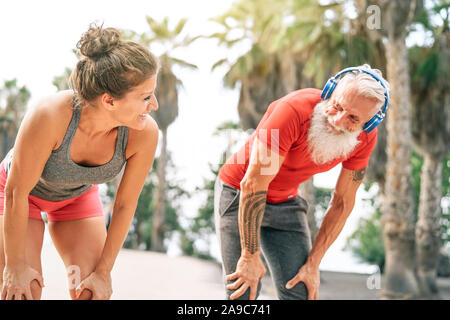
(291, 116)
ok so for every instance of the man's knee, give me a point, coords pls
(246, 295)
(299, 292)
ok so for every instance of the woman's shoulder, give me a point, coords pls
(54, 113)
(56, 106)
(145, 138)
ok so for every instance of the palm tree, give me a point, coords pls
(170, 39)
(430, 72)
(261, 73)
(13, 104)
(398, 205)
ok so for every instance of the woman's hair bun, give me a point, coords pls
(98, 41)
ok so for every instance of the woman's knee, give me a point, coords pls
(36, 290)
(86, 294)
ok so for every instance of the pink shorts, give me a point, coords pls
(83, 206)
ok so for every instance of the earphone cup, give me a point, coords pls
(372, 123)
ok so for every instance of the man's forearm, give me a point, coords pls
(330, 229)
(251, 212)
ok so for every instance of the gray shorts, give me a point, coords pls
(285, 239)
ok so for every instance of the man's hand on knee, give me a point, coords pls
(310, 276)
(249, 271)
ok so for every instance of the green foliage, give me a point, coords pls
(196, 239)
(446, 177)
(322, 198)
(367, 242)
(61, 82)
(201, 228)
(13, 105)
(446, 193)
(139, 236)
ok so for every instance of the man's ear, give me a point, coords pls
(108, 101)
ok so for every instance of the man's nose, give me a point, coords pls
(339, 119)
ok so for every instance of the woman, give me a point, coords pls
(66, 145)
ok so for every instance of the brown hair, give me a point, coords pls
(109, 65)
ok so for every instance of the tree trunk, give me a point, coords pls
(160, 207)
(307, 193)
(398, 209)
(428, 230)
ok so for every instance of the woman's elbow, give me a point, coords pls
(12, 193)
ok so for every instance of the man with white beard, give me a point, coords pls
(256, 202)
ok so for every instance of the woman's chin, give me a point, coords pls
(137, 124)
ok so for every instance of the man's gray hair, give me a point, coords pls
(367, 86)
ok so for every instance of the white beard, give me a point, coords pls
(326, 145)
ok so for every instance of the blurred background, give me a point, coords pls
(223, 62)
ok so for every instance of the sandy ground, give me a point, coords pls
(139, 275)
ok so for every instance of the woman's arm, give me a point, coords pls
(130, 187)
(33, 146)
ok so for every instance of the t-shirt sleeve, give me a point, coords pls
(280, 129)
(360, 159)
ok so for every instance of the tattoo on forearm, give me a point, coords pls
(358, 175)
(252, 212)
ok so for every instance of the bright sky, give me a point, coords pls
(37, 41)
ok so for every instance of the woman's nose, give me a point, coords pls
(153, 105)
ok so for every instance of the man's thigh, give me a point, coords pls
(286, 242)
(285, 252)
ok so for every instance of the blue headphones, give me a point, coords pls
(376, 119)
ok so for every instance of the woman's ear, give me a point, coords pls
(108, 101)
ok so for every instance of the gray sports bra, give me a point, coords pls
(63, 179)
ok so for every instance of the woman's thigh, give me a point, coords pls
(33, 247)
(80, 244)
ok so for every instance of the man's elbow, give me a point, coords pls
(342, 203)
(253, 184)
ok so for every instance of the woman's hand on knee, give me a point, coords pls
(17, 282)
(99, 283)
